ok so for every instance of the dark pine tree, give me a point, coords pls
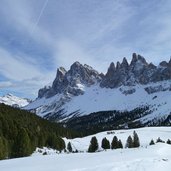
(136, 141)
(3, 148)
(93, 145)
(114, 144)
(60, 144)
(105, 144)
(120, 145)
(168, 141)
(129, 142)
(159, 140)
(69, 147)
(22, 144)
(151, 142)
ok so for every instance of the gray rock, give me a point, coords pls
(69, 81)
(78, 76)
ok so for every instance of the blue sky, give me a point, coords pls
(37, 36)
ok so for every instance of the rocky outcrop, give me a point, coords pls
(137, 72)
(82, 89)
(71, 81)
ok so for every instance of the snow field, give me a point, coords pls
(146, 158)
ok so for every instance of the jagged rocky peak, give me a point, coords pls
(76, 65)
(112, 66)
(138, 58)
(111, 70)
(61, 72)
(142, 59)
(163, 64)
(84, 74)
(170, 61)
(152, 66)
(79, 76)
(124, 63)
(118, 65)
(71, 81)
(134, 58)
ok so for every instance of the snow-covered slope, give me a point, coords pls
(82, 90)
(97, 99)
(145, 158)
(15, 101)
(145, 135)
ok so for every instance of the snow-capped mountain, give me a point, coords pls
(82, 90)
(15, 101)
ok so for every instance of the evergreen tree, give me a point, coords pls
(168, 141)
(3, 148)
(93, 145)
(105, 144)
(69, 147)
(22, 146)
(159, 140)
(129, 142)
(151, 142)
(114, 144)
(60, 144)
(136, 141)
(21, 132)
(120, 144)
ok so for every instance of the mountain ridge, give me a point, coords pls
(82, 90)
(11, 100)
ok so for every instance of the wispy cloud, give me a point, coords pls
(5, 84)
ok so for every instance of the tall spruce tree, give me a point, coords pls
(22, 146)
(93, 145)
(168, 141)
(120, 145)
(60, 144)
(151, 142)
(129, 142)
(136, 141)
(159, 140)
(3, 148)
(105, 144)
(114, 144)
(69, 147)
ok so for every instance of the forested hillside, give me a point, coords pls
(21, 132)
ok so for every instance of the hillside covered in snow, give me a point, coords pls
(82, 90)
(15, 101)
(146, 158)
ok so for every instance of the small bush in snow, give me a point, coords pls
(168, 141)
(45, 153)
(151, 142)
(159, 140)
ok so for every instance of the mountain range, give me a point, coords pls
(81, 92)
(11, 100)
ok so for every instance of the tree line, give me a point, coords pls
(132, 142)
(159, 140)
(21, 132)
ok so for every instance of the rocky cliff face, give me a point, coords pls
(137, 72)
(71, 81)
(82, 90)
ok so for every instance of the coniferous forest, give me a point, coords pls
(21, 132)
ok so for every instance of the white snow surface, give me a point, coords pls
(12, 100)
(145, 158)
(97, 99)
